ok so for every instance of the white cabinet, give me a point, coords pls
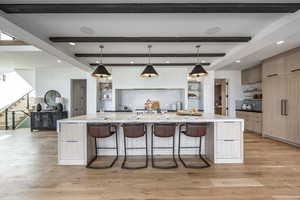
(228, 149)
(72, 144)
(229, 142)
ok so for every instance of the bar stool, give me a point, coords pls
(98, 131)
(164, 131)
(197, 130)
(134, 130)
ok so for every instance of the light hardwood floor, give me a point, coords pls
(28, 171)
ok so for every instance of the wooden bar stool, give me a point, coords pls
(97, 131)
(134, 130)
(197, 130)
(163, 131)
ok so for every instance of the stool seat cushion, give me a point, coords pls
(100, 130)
(195, 130)
(164, 130)
(134, 130)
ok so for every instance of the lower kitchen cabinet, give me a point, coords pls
(253, 121)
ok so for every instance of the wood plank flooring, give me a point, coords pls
(28, 171)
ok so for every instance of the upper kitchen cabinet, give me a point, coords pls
(293, 62)
(273, 67)
(252, 75)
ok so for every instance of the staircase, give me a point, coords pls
(11, 116)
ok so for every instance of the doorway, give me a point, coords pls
(78, 97)
(221, 97)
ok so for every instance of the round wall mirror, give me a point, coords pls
(50, 97)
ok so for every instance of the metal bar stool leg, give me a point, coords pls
(114, 160)
(173, 155)
(125, 156)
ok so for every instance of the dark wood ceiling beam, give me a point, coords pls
(150, 39)
(144, 64)
(152, 8)
(137, 55)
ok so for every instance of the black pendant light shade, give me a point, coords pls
(101, 72)
(198, 70)
(149, 72)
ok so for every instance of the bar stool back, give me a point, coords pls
(134, 130)
(97, 131)
(164, 131)
(197, 130)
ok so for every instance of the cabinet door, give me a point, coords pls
(273, 67)
(293, 107)
(293, 62)
(267, 105)
(228, 149)
(228, 130)
(274, 122)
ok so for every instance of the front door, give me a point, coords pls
(78, 97)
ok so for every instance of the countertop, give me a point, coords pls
(121, 117)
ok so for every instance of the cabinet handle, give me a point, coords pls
(295, 70)
(229, 140)
(228, 122)
(281, 106)
(285, 107)
(71, 141)
(271, 75)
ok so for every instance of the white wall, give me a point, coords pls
(59, 78)
(129, 78)
(13, 89)
(234, 87)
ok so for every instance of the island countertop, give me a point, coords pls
(121, 117)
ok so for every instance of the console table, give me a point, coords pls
(46, 120)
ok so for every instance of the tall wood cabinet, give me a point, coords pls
(281, 97)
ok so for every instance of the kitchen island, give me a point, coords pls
(223, 142)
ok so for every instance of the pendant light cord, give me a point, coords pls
(198, 61)
(149, 54)
(101, 48)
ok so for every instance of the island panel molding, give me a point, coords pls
(152, 55)
(223, 142)
(152, 8)
(151, 39)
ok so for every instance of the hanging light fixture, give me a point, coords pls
(198, 70)
(149, 71)
(101, 71)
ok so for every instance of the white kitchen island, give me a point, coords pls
(223, 142)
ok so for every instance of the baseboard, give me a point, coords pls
(281, 140)
(71, 162)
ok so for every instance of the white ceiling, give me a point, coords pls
(46, 25)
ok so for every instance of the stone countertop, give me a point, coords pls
(121, 117)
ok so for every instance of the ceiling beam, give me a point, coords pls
(150, 39)
(152, 8)
(12, 43)
(137, 55)
(144, 64)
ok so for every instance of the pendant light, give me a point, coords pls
(198, 70)
(101, 71)
(149, 71)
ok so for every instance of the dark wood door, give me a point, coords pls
(78, 101)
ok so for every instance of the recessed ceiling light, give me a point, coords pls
(203, 61)
(131, 62)
(213, 30)
(72, 43)
(238, 61)
(167, 61)
(279, 42)
(97, 61)
(59, 61)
